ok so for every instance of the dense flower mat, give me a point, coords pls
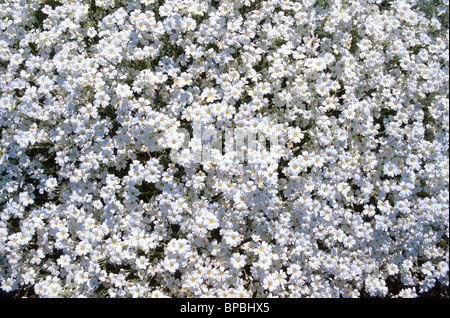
(245, 148)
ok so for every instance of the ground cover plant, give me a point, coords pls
(224, 148)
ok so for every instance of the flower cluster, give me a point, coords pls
(102, 194)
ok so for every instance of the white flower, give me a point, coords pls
(237, 260)
(128, 147)
(392, 269)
